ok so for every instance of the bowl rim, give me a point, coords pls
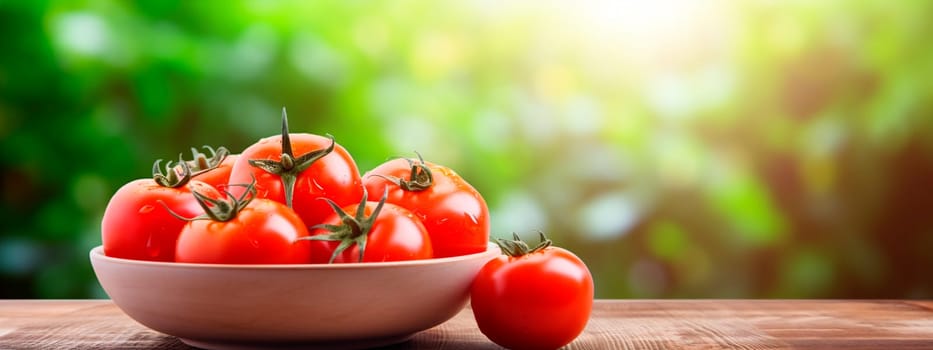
(97, 253)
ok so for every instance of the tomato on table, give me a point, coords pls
(296, 169)
(241, 230)
(136, 224)
(532, 298)
(377, 231)
(453, 212)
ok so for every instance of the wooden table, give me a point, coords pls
(616, 324)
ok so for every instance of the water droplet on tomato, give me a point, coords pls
(472, 218)
(146, 209)
(152, 248)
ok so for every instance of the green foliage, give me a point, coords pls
(729, 149)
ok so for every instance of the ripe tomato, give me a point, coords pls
(532, 298)
(136, 224)
(379, 231)
(241, 230)
(453, 212)
(297, 169)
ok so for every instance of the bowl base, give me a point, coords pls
(350, 344)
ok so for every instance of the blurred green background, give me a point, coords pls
(746, 149)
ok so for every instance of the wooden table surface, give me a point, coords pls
(615, 324)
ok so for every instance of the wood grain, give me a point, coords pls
(616, 324)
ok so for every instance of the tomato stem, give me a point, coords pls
(289, 167)
(420, 178)
(286, 140)
(218, 209)
(201, 162)
(516, 247)
(178, 174)
(170, 177)
(352, 230)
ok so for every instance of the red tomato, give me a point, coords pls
(297, 169)
(532, 298)
(379, 231)
(136, 223)
(244, 231)
(453, 212)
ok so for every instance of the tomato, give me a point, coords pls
(379, 231)
(297, 169)
(136, 224)
(532, 298)
(453, 212)
(242, 230)
(214, 169)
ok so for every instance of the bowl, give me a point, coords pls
(335, 306)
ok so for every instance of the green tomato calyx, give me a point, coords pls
(289, 167)
(201, 162)
(352, 229)
(516, 247)
(218, 206)
(175, 174)
(420, 178)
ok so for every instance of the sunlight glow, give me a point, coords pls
(656, 32)
(83, 33)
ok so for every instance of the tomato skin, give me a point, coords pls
(396, 235)
(137, 226)
(541, 300)
(264, 232)
(219, 176)
(453, 212)
(335, 176)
